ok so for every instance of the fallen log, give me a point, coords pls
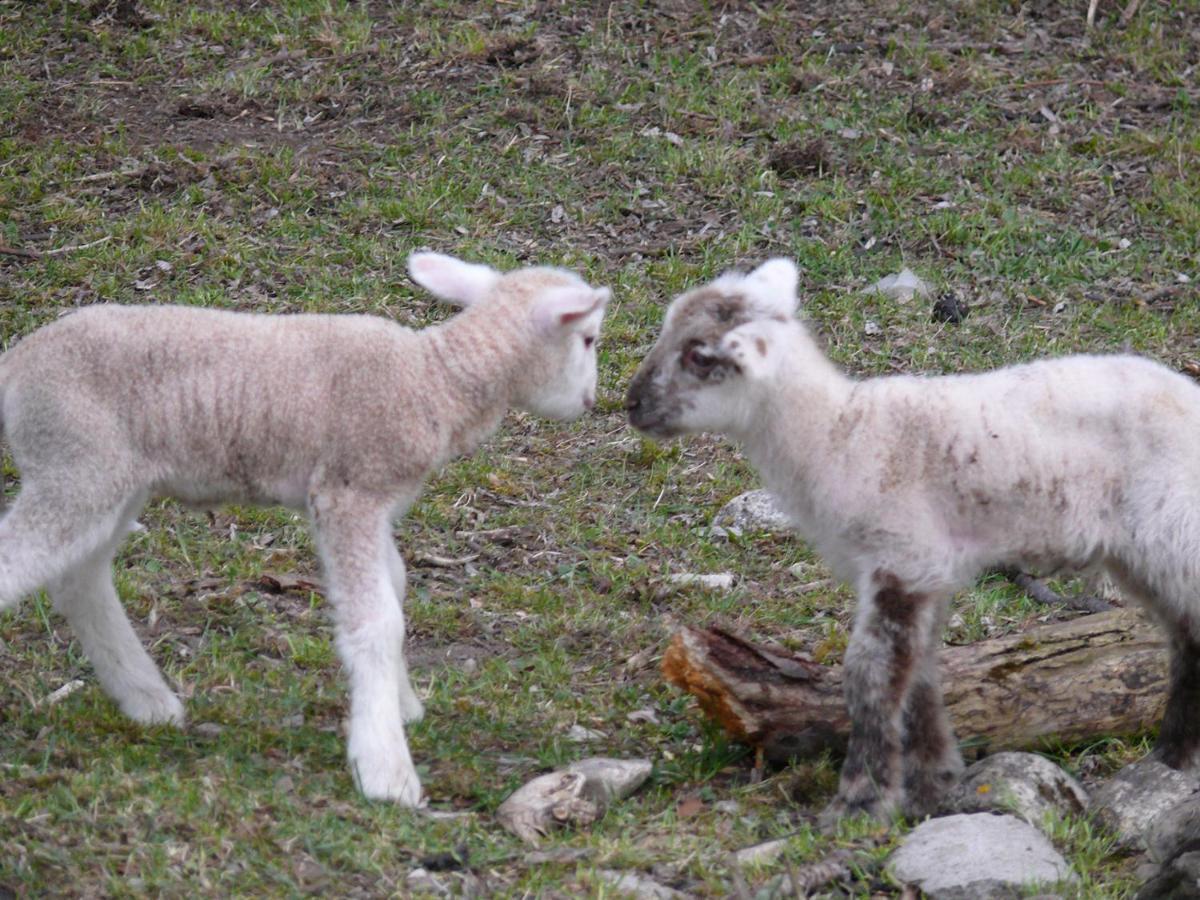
(1101, 674)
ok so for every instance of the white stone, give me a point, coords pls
(955, 852)
(752, 511)
(718, 581)
(634, 885)
(902, 286)
(760, 853)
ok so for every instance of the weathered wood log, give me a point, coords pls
(1102, 674)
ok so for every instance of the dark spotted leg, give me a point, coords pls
(890, 639)
(932, 762)
(1179, 738)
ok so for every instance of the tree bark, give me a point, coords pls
(1096, 675)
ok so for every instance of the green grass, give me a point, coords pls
(288, 156)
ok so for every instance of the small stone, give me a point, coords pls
(581, 735)
(716, 581)
(753, 511)
(760, 853)
(636, 885)
(902, 286)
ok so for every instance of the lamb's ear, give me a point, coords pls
(450, 279)
(755, 348)
(773, 285)
(567, 307)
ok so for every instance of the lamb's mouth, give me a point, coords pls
(654, 426)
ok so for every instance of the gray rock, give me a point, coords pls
(760, 853)
(1134, 799)
(636, 885)
(752, 511)
(1176, 830)
(1178, 880)
(1024, 784)
(953, 854)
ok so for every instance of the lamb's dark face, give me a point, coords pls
(692, 378)
(686, 361)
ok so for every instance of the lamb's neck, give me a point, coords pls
(790, 434)
(479, 367)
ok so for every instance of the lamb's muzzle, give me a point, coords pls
(910, 487)
(340, 416)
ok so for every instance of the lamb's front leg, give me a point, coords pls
(410, 704)
(354, 540)
(891, 636)
(932, 761)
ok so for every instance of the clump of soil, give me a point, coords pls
(796, 158)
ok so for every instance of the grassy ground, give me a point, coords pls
(287, 156)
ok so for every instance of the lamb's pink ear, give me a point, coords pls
(568, 307)
(755, 348)
(450, 279)
(773, 285)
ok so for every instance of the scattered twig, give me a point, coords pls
(442, 562)
(19, 251)
(1091, 13)
(57, 251)
(1129, 12)
(1041, 592)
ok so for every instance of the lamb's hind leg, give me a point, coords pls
(354, 539)
(932, 761)
(1179, 738)
(88, 599)
(51, 530)
(411, 707)
(890, 639)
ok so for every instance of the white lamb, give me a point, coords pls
(340, 416)
(910, 487)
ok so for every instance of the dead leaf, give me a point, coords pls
(689, 806)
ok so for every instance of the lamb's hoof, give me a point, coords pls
(923, 794)
(1183, 758)
(398, 784)
(875, 808)
(153, 708)
(412, 710)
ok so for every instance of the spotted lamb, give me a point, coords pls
(910, 486)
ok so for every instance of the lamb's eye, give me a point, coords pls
(588, 341)
(698, 360)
